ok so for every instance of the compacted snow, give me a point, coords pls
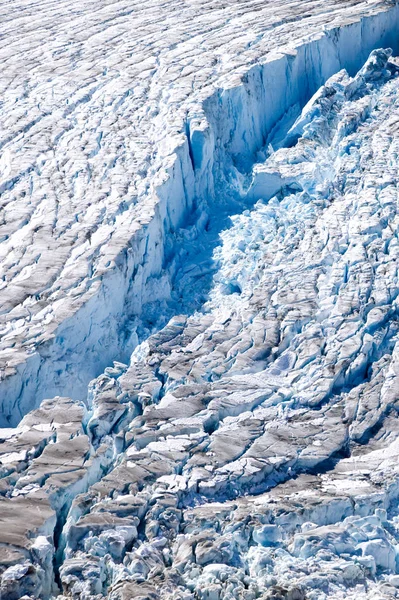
(209, 228)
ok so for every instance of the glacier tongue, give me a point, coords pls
(250, 448)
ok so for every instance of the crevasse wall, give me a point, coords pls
(228, 130)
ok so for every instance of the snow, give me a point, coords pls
(113, 143)
(230, 248)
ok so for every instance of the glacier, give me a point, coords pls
(200, 401)
(98, 179)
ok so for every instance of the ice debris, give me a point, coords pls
(251, 449)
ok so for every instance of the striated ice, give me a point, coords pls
(238, 263)
(114, 148)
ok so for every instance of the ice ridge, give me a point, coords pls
(104, 184)
(248, 449)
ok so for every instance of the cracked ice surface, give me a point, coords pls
(251, 449)
(96, 173)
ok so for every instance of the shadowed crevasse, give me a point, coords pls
(203, 183)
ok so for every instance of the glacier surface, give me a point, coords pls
(114, 144)
(235, 260)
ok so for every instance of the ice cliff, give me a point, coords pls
(238, 303)
(112, 143)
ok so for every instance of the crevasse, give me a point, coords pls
(219, 145)
(248, 450)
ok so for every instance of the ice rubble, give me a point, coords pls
(249, 450)
(112, 142)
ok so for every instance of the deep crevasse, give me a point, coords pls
(288, 373)
(45, 347)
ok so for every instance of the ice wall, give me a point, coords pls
(220, 141)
